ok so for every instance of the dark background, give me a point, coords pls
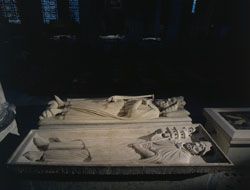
(202, 56)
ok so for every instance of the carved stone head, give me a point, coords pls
(177, 102)
(198, 148)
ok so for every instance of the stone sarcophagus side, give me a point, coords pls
(113, 110)
(139, 149)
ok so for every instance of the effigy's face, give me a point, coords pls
(163, 104)
(182, 103)
(195, 148)
(171, 101)
(160, 104)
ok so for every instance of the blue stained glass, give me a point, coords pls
(49, 10)
(9, 11)
(194, 6)
(74, 10)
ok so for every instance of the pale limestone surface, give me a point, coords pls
(116, 146)
(115, 109)
(55, 150)
(172, 145)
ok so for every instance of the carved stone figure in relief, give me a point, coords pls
(117, 108)
(165, 147)
(55, 150)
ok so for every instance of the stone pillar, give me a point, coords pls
(88, 19)
(2, 97)
(31, 17)
(63, 11)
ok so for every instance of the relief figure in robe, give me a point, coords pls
(55, 150)
(116, 108)
(164, 148)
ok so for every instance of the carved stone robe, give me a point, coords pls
(164, 151)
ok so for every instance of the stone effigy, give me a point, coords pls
(119, 150)
(55, 150)
(115, 108)
(172, 146)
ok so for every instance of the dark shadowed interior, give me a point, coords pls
(198, 49)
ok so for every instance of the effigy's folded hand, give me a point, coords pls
(55, 107)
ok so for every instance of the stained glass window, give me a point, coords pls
(9, 11)
(74, 10)
(49, 10)
(194, 6)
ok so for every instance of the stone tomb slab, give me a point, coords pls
(139, 150)
(101, 111)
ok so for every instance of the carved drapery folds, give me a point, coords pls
(117, 108)
(170, 146)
